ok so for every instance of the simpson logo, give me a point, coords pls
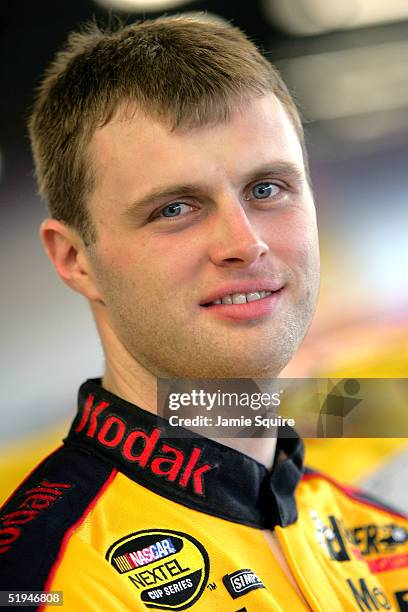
(241, 582)
(145, 450)
(168, 568)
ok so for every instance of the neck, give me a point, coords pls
(260, 449)
(132, 385)
(124, 376)
(141, 390)
(128, 379)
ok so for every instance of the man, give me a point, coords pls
(172, 159)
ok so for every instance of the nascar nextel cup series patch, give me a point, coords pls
(169, 569)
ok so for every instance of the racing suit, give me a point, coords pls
(125, 517)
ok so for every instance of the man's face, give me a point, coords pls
(188, 217)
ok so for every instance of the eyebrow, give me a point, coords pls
(279, 169)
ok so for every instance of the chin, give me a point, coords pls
(234, 369)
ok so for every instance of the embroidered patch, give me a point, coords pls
(144, 450)
(241, 582)
(34, 502)
(333, 538)
(168, 568)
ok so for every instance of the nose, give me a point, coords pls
(235, 239)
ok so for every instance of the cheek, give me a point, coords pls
(152, 264)
(296, 242)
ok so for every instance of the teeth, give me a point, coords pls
(239, 298)
(252, 297)
(242, 298)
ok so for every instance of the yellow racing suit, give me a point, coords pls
(125, 517)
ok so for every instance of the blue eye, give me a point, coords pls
(261, 191)
(172, 210)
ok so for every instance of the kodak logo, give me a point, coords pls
(144, 449)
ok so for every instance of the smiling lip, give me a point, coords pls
(250, 310)
(242, 287)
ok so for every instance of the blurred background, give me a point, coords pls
(346, 64)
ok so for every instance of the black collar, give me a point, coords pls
(196, 472)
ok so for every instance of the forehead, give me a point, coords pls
(135, 152)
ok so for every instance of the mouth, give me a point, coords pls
(240, 298)
(256, 304)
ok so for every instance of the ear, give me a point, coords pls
(68, 255)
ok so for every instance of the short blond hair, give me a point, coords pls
(186, 70)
